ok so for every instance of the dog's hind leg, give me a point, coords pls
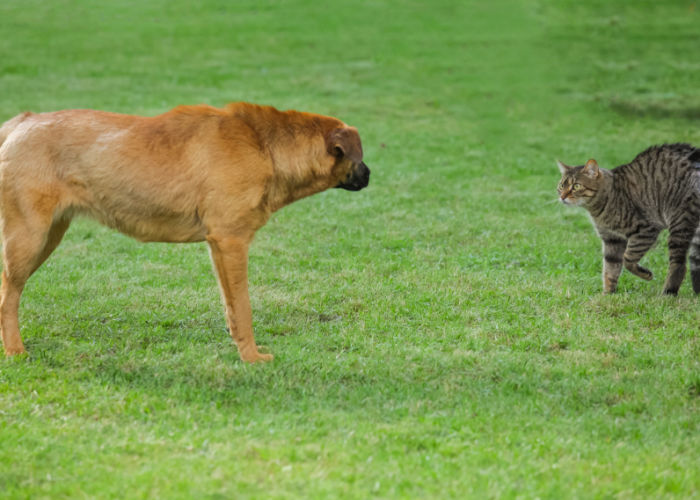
(27, 243)
(54, 237)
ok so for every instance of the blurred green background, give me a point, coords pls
(440, 334)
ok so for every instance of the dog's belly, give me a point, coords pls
(153, 227)
(135, 201)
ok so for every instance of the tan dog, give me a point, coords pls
(192, 174)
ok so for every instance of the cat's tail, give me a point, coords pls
(695, 158)
(694, 254)
(694, 259)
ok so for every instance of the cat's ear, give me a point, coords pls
(563, 168)
(591, 169)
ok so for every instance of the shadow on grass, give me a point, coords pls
(656, 110)
(202, 377)
(195, 364)
(322, 376)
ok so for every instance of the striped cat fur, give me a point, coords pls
(631, 204)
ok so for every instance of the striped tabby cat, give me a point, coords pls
(631, 204)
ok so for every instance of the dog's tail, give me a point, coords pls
(11, 124)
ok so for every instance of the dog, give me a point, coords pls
(195, 173)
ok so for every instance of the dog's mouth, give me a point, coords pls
(358, 179)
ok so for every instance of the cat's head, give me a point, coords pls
(579, 185)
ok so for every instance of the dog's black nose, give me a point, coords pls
(359, 178)
(363, 174)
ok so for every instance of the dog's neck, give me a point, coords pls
(296, 146)
(297, 174)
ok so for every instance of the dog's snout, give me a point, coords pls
(363, 174)
(358, 178)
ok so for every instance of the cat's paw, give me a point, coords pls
(609, 284)
(639, 271)
(644, 273)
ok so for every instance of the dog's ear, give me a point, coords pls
(344, 142)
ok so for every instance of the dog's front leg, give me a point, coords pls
(230, 257)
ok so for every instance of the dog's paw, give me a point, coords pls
(264, 358)
(253, 356)
(14, 351)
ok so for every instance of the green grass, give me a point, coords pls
(439, 335)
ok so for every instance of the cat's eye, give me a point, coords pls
(577, 187)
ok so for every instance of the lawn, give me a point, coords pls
(441, 334)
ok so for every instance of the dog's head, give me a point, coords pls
(346, 148)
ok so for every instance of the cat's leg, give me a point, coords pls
(637, 246)
(695, 260)
(613, 250)
(679, 238)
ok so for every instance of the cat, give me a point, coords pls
(630, 205)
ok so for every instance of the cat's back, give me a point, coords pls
(657, 162)
(661, 180)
